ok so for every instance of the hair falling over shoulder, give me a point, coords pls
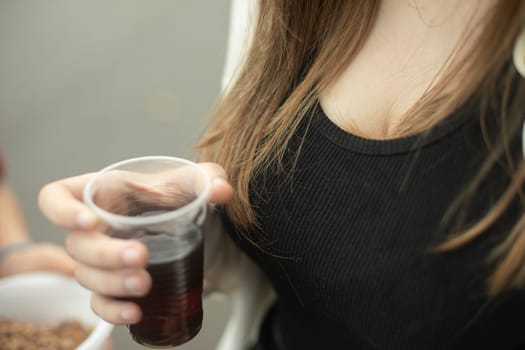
(299, 47)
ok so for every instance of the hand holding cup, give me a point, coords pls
(116, 269)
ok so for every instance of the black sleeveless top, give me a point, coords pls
(346, 236)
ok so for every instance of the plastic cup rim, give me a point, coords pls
(115, 219)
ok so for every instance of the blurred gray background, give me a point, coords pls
(87, 83)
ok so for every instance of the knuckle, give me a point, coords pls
(101, 257)
(80, 275)
(69, 243)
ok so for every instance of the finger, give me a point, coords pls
(116, 283)
(221, 191)
(61, 202)
(115, 311)
(99, 250)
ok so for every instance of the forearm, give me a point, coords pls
(12, 226)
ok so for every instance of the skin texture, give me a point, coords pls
(404, 55)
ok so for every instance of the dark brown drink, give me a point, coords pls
(172, 310)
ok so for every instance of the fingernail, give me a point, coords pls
(219, 181)
(130, 256)
(132, 284)
(126, 315)
(85, 220)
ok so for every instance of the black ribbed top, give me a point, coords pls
(346, 234)
(359, 144)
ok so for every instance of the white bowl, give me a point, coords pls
(49, 298)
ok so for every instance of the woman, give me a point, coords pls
(369, 162)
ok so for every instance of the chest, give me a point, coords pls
(409, 52)
(346, 234)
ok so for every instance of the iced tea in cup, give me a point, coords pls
(160, 201)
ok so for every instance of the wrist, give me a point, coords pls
(12, 247)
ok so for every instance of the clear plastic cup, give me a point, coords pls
(160, 201)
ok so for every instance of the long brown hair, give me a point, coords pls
(298, 49)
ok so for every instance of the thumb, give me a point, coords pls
(221, 191)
